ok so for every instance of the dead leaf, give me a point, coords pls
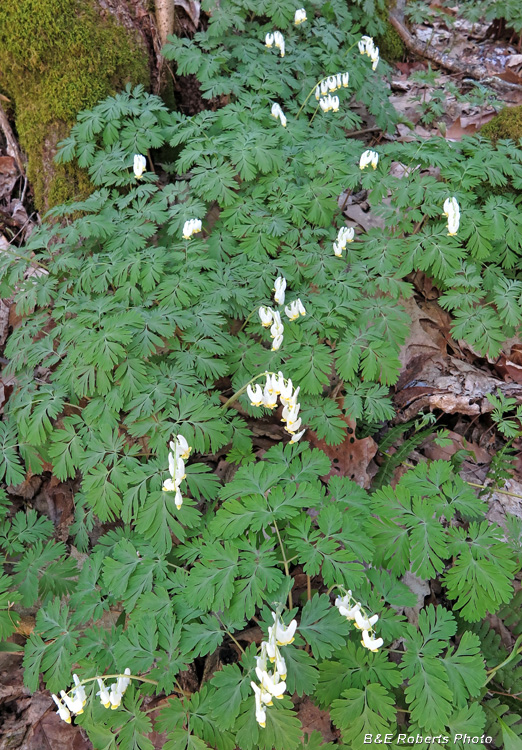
(349, 459)
(444, 452)
(191, 8)
(52, 732)
(314, 719)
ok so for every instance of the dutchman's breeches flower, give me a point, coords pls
(255, 395)
(452, 212)
(279, 289)
(373, 644)
(63, 712)
(269, 40)
(180, 450)
(266, 315)
(352, 610)
(369, 157)
(278, 113)
(295, 309)
(139, 165)
(190, 227)
(272, 683)
(279, 42)
(345, 235)
(105, 697)
(300, 16)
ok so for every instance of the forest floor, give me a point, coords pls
(439, 373)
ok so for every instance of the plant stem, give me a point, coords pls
(238, 393)
(285, 563)
(516, 650)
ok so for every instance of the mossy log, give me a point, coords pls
(58, 57)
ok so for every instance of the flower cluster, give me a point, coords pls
(329, 102)
(345, 235)
(190, 227)
(452, 212)
(277, 40)
(300, 16)
(272, 318)
(140, 165)
(271, 684)
(278, 113)
(277, 385)
(331, 84)
(180, 450)
(112, 697)
(367, 47)
(369, 157)
(353, 611)
(71, 704)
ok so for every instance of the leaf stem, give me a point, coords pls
(517, 649)
(285, 563)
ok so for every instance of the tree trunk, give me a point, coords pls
(58, 57)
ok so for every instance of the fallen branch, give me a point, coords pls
(477, 72)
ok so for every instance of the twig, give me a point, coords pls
(12, 145)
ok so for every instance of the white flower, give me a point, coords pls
(362, 622)
(271, 683)
(300, 16)
(269, 397)
(79, 690)
(339, 78)
(324, 88)
(255, 395)
(290, 413)
(124, 682)
(276, 343)
(369, 157)
(279, 289)
(284, 635)
(332, 83)
(345, 79)
(184, 448)
(279, 42)
(292, 311)
(374, 57)
(75, 705)
(345, 234)
(373, 644)
(318, 93)
(277, 112)
(104, 694)
(63, 712)
(266, 316)
(140, 165)
(180, 449)
(260, 709)
(367, 47)
(269, 40)
(452, 211)
(343, 605)
(115, 696)
(190, 227)
(297, 436)
(329, 103)
(277, 328)
(280, 665)
(286, 391)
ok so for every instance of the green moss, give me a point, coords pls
(391, 46)
(57, 58)
(507, 124)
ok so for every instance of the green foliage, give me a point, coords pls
(140, 335)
